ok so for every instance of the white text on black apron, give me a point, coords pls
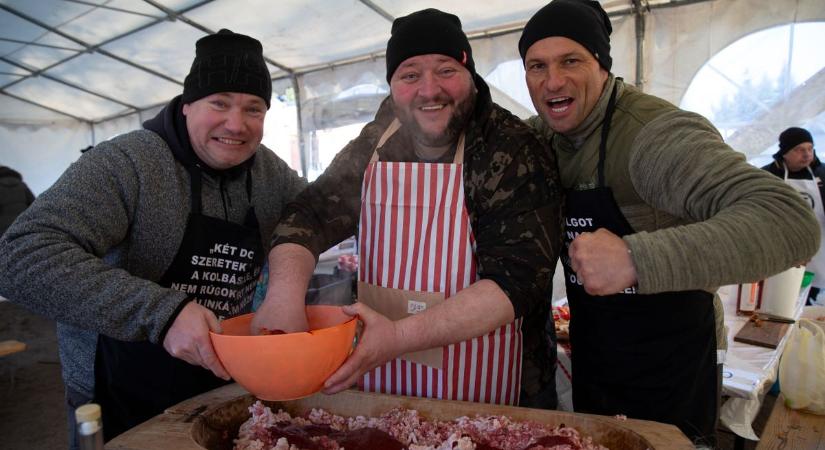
(575, 226)
(222, 280)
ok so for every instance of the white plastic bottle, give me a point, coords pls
(89, 427)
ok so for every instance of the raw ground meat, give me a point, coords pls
(400, 429)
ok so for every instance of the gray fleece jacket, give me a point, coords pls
(89, 252)
(703, 216)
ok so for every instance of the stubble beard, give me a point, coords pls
(455, 126)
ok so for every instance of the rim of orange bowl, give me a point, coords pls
(310, 332)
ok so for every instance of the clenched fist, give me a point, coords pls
(602, 262)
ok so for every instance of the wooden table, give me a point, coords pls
(214, 417)
(789, 429)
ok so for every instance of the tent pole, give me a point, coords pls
(786, 73)
(301, 142)
(371, 5)
(16, 97)
(89, 48)
(639, 18)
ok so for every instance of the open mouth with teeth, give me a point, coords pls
(227, 141)
(559, 104)
(433, 107)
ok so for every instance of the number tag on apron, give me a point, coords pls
(395, 304)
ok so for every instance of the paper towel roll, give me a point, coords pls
(780, 293)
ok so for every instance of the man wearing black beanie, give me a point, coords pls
(153, 236)
(797, 164)
(457, 222)
(659, 213)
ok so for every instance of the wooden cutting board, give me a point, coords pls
(768, 334)
(211, 420)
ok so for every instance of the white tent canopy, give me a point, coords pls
(75, 72)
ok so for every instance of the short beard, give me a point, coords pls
(456, 125)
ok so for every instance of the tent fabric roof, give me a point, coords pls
(93, 60)
(76, 72)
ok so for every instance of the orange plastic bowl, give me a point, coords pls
(286, 366)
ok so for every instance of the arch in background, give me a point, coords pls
(761, 84)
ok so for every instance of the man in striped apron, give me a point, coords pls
(457, 211)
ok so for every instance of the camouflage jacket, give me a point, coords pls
(512, 196)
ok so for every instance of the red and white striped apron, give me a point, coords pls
(416, 250)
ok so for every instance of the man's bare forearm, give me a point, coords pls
(477, 310)
(290, 269)
(474, 311)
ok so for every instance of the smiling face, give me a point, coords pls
(565, 81)
(225, 128)
(433, 95)
(799, 157)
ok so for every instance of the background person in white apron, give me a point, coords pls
(796, 162)
(457, 209)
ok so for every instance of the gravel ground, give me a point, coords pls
(32, 411)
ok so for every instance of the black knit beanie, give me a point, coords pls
(227, 62)
(790, 138)
(425, 32)
(583, 21)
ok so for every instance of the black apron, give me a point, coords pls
(648, 357)
(217, 263)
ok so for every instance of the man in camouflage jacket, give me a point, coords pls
(513, 202)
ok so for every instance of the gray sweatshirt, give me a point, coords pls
(89, 252)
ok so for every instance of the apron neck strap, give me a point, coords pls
(396, 125)
(459, 150)
(785, 166)
(249, 184)
(608, 116)
(196, 181)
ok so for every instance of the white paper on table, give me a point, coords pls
(738, 413)
(743, 381)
